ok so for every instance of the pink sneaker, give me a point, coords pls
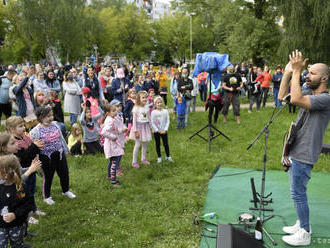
(146, 162)
(136, 165)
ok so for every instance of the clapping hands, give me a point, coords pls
(296, 61)
(39, 143)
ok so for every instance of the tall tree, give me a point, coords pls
(3, 25)
(243, 29)
(34, 26)
(102, 4)
(306, 27)
(126, 32)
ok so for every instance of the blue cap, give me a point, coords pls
(115, 102)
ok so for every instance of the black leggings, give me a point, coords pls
(216, 107)
(49, 166)
(264, 96)
(164, 96)
(292, 108)
(76, 149)
(165, 143)
(93, 147)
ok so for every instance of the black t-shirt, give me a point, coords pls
(186, 91)
(243, 72)
(233, 81)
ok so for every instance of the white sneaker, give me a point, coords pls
(49, 201)
(33, 220)
(69, 194)
(39, 212)
(159, 160)
(293, 229)
(169, 159)
(301, 237)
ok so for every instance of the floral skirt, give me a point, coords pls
(144, 131)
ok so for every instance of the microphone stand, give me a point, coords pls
(209, 125)
(261, 198)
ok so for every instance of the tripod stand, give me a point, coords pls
(209, 125)
(261, 198)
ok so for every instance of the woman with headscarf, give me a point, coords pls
(120, 86)
(72, 93)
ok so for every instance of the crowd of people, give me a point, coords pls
(116, 103)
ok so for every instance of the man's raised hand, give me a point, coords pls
(297, 61)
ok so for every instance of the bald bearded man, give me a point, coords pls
(314, 115)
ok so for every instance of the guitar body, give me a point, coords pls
(287, 145)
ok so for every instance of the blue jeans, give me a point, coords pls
(62, 127)
(180, 121)
(275, 94)
(73, 118)
(174, 106)
(203, 91)
(187, 112)
(300, 174)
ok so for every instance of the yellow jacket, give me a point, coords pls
(72, 141)
(162, 78)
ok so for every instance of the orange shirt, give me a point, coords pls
(202, 77)
(266, 80)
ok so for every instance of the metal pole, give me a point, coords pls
(190, 15)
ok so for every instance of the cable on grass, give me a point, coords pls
(238, 173)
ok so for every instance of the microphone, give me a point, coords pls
(287, 98)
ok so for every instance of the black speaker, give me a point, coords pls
(231, 237)
(326, 148)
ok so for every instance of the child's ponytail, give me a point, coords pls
(10, 170)
(4, 140)
(18, 181)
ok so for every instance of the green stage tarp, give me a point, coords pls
(229, 194)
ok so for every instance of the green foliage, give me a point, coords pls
(101, 4)
(3, 25)
(38, 25)
(306, 27)
(244, 30)
(125, 32)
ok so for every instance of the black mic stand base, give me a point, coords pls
(210, 126)
(211, 134)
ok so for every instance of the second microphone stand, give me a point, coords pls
(261, 198)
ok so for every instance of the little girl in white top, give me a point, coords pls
(141, 128)
(160, 122)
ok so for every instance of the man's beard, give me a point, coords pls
(313, 86)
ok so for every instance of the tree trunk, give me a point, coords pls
(257, 59)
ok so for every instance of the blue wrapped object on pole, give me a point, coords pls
(213, 63)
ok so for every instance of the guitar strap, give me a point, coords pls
(301, 120)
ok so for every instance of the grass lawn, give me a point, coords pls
(155, 205)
